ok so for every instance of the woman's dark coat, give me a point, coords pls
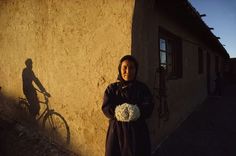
(127, 138)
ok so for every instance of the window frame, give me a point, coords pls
(176, 64)
(200, 61)
(217, 64)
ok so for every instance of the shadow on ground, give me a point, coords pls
(209, 131)
(18, 136)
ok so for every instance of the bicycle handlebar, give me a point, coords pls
(46, 94)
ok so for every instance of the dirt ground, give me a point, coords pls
(19, 137)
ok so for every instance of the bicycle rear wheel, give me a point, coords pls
(56, 128)
(23, 106)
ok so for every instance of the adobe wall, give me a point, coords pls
(75, 47)
(186, 93)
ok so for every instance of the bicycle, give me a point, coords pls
(53, 123)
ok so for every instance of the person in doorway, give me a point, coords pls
(28, 77)
(127, 104)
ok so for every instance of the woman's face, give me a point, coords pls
(128, 70)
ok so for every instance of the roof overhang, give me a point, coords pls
(185, 13)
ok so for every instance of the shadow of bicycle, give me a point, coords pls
(52, 123)
(39, 112)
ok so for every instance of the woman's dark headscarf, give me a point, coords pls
(129, 58)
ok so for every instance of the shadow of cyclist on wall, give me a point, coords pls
(28, 77)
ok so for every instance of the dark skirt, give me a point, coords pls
(128, 139)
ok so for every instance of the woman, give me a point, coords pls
(127, 103)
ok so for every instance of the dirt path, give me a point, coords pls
(17, 140)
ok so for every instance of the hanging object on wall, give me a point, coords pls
(160, 92)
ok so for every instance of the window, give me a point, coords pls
(217, 64)
(200, 61)
(165, 54)
(170, 52)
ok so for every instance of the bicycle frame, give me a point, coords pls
(52, 122)
(47, 109)
(46, 102)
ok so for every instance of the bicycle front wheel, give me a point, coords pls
(56, 128)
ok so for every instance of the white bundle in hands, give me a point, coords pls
(127, 112)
